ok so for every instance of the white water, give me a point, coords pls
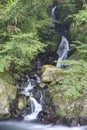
(38, 79)
(26, 90)
(30, 86)
(62, 51)
(12, 125)
(36, 108)
(53, 12)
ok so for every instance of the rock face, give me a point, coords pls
(67, 89)
(7, 95)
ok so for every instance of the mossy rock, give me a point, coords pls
(70, 94)
(7, 77)
(51, 73)
(7, 95)
(22, 102)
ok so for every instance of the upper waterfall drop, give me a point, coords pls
(53, 13)
(63, 48)
(62, 51)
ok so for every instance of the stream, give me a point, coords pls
(14, 125)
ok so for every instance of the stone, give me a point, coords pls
(71, 120)
(47, 118)
(68, 95)
(83, 120)
(51, 73)
(7, 95)
(21, 103)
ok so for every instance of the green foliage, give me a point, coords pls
(79, 32)
(20, 51)
(33, 19)
(74, 81)
(20, 46)
(65, 10)
(26, 13)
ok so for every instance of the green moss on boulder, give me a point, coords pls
(21, 103)
(69, 94)
(51, 73)
(7, 95)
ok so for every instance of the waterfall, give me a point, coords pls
(26, 90)
(38, 79)
(64, 45)
(38, 63)
(53, 13)
(62, 51)
(35, 106)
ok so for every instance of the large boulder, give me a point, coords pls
(83, 120)
(7, 95)
(50, 73)
(71, 121)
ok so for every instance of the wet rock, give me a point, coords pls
(83, 120)
(71, 121)
(47, 118)
(42, 115)
(52, 120)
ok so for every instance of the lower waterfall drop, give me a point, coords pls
(36, 108)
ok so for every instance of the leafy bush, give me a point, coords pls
(79, 32)
(20, 51)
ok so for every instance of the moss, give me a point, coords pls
(21, 103)
(69, 95)
(7, 95)
(7, 77)
(75, 56)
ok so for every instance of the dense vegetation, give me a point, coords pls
(26, 30)
(19, 40)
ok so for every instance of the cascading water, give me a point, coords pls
(38, 79)
(35, 106)
(62, 51)
(63, 48)
(53, 13)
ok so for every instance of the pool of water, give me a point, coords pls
(17, 125)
